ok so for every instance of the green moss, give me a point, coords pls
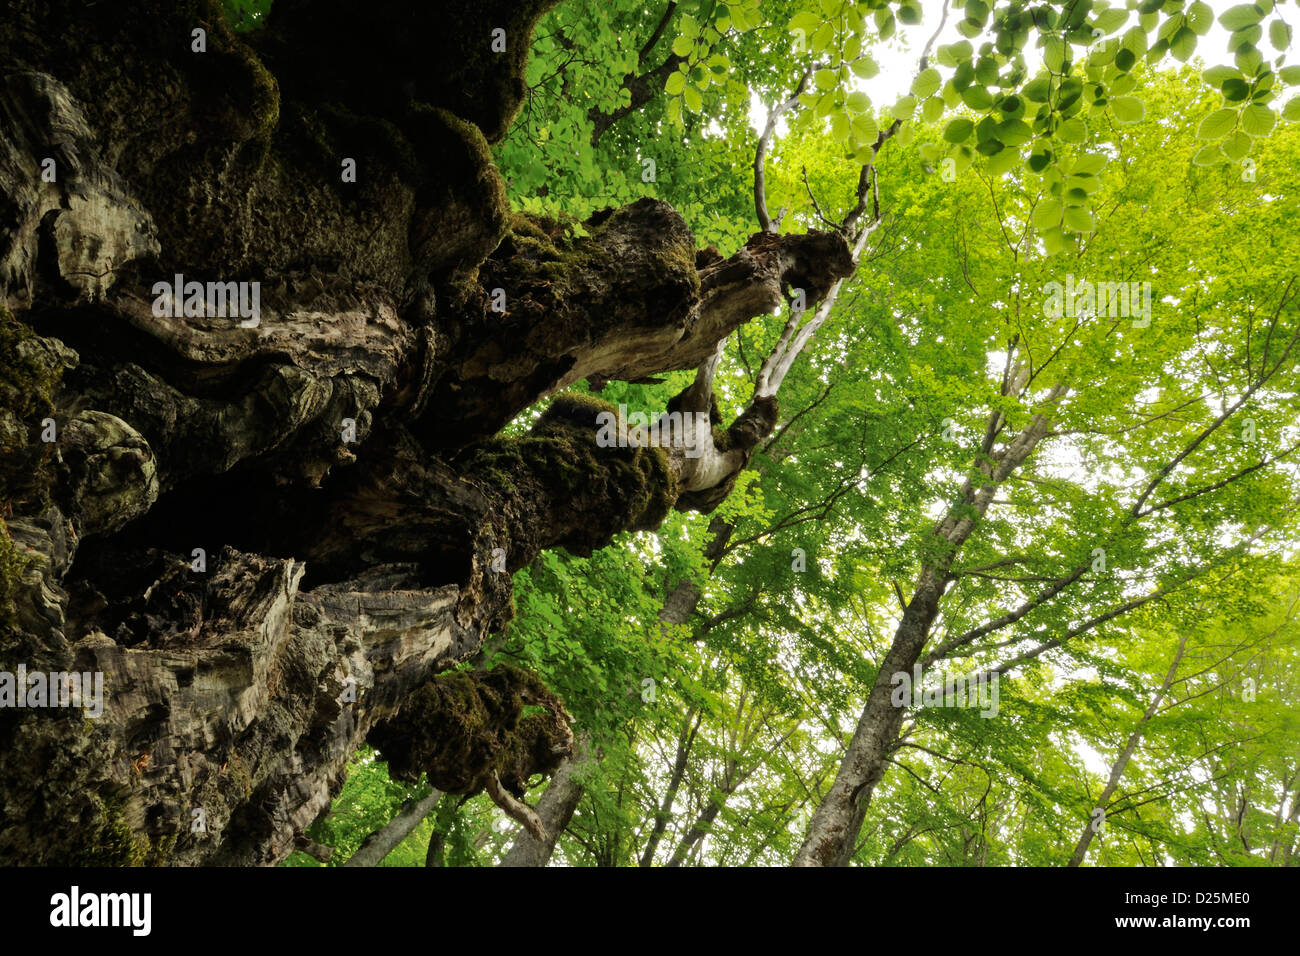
(618, 488)
(545, 256)
(265, 103)
(110, 841)
(12, 567)
(463, 726)
(29, 376)
(160, 850)
(238, 771)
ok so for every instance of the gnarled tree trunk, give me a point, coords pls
(269, 529)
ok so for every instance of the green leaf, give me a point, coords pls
(1208, 156)
(865, 68)
(822, 38)
(1037, 90)
(1127, 109)
(977, 98)
(927, 83)
(1200, 18)
(694, 102)
(826, 79)
(1217, 124)
(1237, 145)
(839, 126)
(1014, 132)
(932, 109)
(1135, 40)
(1054, 53)
(1258, 119)
(865, 128)
(805, 21)
(1279, 34)
(1183, 44)
(858, 101)
(1001, 162)
(1216, 75)
(683, 45)
(1290, 75)
(1079, 219)
(1055, 240)
(1235, 89)
(674, 110)
(904, 108)
(1249, 60)
(1108, 21)
(1291, 112)
(958, 130)
(1089, 164)
(1047, 214)
(675, 84)
(1072, 130)
(1242, 15)
(955, 53)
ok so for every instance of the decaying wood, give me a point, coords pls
(267, 533)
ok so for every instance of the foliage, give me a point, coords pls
(716, 739)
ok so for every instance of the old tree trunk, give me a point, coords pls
(270, 537)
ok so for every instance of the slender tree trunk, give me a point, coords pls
(384, 840)
(1126, 754)
(839, 817)
(690, 726)
(555, 808)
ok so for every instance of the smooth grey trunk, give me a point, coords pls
(838, 820)
(555, 808)
(384, 840)
(1130, 747)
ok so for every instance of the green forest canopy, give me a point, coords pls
(1134, 583)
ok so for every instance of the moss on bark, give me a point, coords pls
(462, 727)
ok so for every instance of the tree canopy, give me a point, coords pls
(1058, 392)
(669, 433)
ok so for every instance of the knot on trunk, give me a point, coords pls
(811, 262)
(463, 729)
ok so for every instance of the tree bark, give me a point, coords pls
(555, 809)
(838, 819)
(1126, 754)
(383, 841)
(267, 532)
